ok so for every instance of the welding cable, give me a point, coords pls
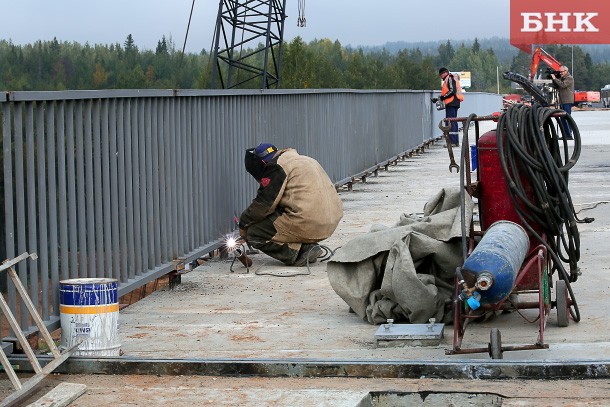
(536, 153)
(547, 173)
(530, 152)
(591, 205)
(327, 254)
(291, 273)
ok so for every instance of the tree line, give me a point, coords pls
(54, 65)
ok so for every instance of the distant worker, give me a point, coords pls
(565, 90)
(451, 95)
(296, 205)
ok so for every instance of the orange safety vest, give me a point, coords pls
(458, 91)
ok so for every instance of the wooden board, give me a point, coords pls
(62, 395)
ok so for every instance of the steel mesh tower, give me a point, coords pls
(248, 44)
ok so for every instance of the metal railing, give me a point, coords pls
(120, 184)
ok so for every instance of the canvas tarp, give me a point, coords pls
(404, 272)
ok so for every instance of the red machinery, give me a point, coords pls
(497, 202)
(541, 55)
(544, 83)
(586, 98)
(581, 98)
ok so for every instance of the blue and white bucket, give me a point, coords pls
(89, 313)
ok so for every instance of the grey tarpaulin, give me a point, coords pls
(404, 272)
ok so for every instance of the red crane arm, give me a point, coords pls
(542, 55)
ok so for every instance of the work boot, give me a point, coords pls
(309, 252)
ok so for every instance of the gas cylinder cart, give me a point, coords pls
(528, 227)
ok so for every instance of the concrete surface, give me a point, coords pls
(218, 314)
(191, 391)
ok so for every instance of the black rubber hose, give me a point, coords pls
(536, 169)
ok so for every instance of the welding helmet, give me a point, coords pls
(257, 157)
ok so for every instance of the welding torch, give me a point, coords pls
(236, 245)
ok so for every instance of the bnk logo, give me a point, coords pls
(562, 22)
(553, 22)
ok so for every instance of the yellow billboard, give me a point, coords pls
(464, 78)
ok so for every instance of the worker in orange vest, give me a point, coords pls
(451, 95)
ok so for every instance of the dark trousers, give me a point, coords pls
(567, 107)
(451, 112)
(260, 234)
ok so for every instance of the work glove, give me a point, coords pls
(442, 97)
(434, 100)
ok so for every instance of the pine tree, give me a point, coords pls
(129, 44)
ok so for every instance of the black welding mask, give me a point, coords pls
(254, 164)
(257, 157)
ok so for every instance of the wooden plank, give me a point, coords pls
(8, 368)
(10, 263)
(33, 312)
(26, 389)
(19, 334)
(33, 383)
(61, 396)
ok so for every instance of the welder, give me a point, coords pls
(296, 205)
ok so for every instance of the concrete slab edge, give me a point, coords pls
(458, 369)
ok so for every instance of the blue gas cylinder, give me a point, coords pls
(495, 262)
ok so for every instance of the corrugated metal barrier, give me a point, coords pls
(119, 184)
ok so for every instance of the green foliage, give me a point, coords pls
(51, 65)
(601, 75)
(323, 63)
(445, 54)
(483, 66)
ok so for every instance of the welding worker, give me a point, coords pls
(296, 205)
(565, 91)
(452, 95)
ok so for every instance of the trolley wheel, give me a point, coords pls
(563, 310)
(495, 344)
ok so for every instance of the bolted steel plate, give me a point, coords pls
(409, 334)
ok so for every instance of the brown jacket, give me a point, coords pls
(565, 89)
(301, 190)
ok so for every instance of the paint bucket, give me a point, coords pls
(89, 313)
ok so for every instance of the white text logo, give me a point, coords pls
(558, 22)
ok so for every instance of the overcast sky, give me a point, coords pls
(352, 22)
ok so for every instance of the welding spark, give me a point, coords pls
(231, 242)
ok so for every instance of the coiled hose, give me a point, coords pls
(528, 141)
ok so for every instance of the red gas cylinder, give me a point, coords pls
(494, 198)
(495, 203)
